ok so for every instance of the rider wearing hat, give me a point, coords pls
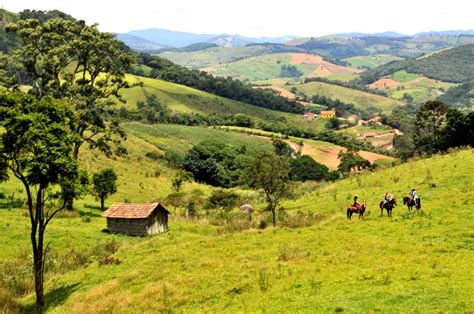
(413, 195)
(386, 198)
(356, 200)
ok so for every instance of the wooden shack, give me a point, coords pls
(137, 219)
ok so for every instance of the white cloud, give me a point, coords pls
(265, 17)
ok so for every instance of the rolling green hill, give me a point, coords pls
(184, 99)
(348, 46)
(419, 263)
(220, 55)
(450, 65)
(359, 98)
(419, 87)
(370, 62)
(270, 66)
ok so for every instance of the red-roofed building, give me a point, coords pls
(137, 219)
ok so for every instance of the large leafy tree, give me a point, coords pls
(305, 168)
(67, 59)
(429, 124)
(351, 160)
(105, 184)
(270, 173)
(36, 148)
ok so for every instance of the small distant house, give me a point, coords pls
(137, 219)
(310, 116)
(328, 114)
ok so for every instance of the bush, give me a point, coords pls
(222, 199)
(306, 168)
(154, 155)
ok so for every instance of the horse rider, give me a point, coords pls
(356, 201)
(387, 198)
(413, 195)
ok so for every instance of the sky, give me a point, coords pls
(265, 17)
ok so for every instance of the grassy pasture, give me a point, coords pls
(358, 98)
(184, 99)
(360, 62)
(418, 262)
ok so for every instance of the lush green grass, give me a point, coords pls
(184, 99)
(179, 137)
(403, 76)
(358, 98)
(341, 77)
(406, 263)
(361, 62)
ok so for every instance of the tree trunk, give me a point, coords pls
(37, 244)
(273, 216)
(38, 261)
(102, 199)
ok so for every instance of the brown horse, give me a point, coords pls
(408, 200)
(356, 208)
(388, 206)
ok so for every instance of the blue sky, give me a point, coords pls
(264, 17)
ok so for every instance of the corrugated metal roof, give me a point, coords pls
(131, 211)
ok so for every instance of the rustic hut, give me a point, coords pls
(137, 219)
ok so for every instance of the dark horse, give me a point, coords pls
(357, 208)
(388, 206)
(410, 202)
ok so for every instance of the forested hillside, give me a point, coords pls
(450, 65)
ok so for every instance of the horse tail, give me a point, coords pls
(348, 212)
(418, 201)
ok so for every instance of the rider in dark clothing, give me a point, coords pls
(356, 200)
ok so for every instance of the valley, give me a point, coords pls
(255, 149)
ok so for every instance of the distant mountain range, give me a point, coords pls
(446, 33)
(384, 34)
(156, 38)
(168, 38)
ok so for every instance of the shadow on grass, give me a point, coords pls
(90, 214)
(53, 298)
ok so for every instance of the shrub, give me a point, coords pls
(222, 199)
(154, 155)
(306, 168)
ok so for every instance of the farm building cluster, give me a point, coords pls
(327, 114)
